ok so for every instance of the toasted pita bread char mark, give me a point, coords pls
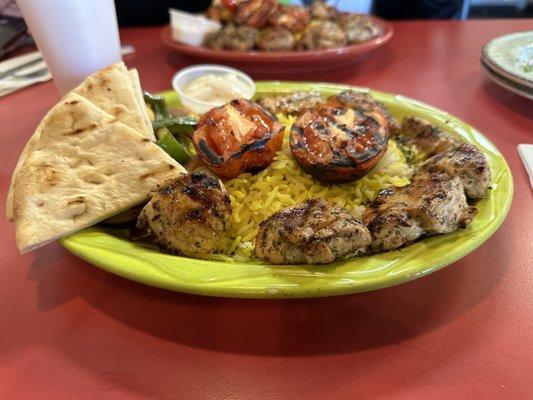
(70, 182)
(132, 90)
(116, 91)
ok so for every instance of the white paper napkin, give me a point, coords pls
(526, 154)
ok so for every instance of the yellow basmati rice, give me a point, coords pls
(256, 197)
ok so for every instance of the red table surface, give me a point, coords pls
(70, 330)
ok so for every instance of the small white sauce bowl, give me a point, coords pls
(185, 76)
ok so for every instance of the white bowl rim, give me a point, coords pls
(209, 67)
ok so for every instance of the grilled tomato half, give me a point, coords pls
(342, 139)
(237, 137)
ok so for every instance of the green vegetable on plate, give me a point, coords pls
(176, 125)
(175, 149)
(157, 104)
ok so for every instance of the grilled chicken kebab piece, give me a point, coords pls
(435, 201)
(466, 162)
(275, 39)
(448, 155)
(432, 204)
(427, 138)
(357, 27)
(323, 11)
(291, 104)
(188, 216)
(231, 37)
(314, 232)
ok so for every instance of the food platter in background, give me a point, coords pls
(111, 250)
(285, 61)
(508, 62)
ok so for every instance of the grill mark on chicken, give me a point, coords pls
(434, 203)
(275, 39)
(313, 232)
(230, 37)
(466, 162)
(447, 155)
(426, 137)
(358, 27)
(291, 104)
(188, 216)
(323, 34)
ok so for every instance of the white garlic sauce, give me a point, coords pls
(216, 89)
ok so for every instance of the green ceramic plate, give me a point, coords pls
(110, 250)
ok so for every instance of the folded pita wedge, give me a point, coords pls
(126, 99)
(136, 82)
(118, 93)
(85, 166)
(30, 145)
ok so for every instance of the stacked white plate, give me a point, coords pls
(508, 62)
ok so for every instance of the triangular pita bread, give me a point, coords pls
(113, 91)
(85, 167)
(136, 83)
(115, 77)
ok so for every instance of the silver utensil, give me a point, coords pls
(24, 75)
(40, 72)
(14, 70)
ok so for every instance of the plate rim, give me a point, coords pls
(507, 84)
(329, 290)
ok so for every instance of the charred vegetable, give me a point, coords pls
(172, 132)
(238, 137)
(176, 125)
(174, 148)
(157, 104)
(340, 141)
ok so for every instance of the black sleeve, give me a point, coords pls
(153, 12)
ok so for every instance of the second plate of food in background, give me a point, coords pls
(284, 61)
(511, 57)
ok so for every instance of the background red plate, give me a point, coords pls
(286, 61)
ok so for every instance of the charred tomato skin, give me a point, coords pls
(329, 160)
(252, 153)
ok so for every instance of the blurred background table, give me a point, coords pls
(70, 330)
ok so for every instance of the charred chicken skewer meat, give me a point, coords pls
(188, 216)
(432, 204)
(435, 201)
(269, 26)
(448, 155)
(314, 232)
(291, 104)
